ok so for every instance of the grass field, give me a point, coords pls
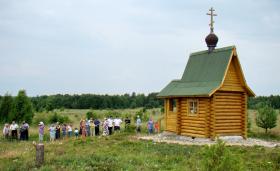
(123, 151)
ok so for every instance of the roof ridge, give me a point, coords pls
(216, 50)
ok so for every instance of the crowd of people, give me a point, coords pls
(87, 127)
(14, 132)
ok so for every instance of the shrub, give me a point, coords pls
(249, 123)
(58, 118)
(40, 117)
(266, 118)
(113, 113)
(219, 158)
(143, 116)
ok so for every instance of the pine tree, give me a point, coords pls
(6, 107)
(22, 108)
(266, 118)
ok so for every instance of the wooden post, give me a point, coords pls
(39, 153)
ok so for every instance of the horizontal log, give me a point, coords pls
(226, 110)
(227, 127)
(192, 128)
(221, 93)
(233, 89)
(228, 114)
(190, 121)
(229, 131)
(193, 135)
(224, 103)
(193, 118)
(227, 121)
(229, 100)
(228, 117)
(193, 131)
(193, 124)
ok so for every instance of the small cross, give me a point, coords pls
(212, 19)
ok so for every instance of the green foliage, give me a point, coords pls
(272, 100)
(91, 114)
(266, 118)
(6, 107)
(87, 101)
(144, 116)
(218, 157)
(58, 118)
(113, 114)
(22, 108)
(38, 117)
(249, 123)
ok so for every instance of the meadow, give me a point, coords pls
(123, 151)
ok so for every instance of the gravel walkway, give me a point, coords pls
(168, 137)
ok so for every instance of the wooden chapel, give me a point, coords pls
(210, 99)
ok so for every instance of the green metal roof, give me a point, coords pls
(203, 74)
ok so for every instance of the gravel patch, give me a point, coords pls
(172, 138)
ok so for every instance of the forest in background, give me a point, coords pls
(94, 101)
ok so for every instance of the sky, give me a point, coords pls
(125, 46)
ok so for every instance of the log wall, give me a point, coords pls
(229, 113)
(233, 81)
(195, 125)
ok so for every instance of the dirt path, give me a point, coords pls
(230, 140)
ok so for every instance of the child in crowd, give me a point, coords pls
(157, 127)
(76, 133)
(150, 126)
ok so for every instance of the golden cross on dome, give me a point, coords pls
(211, 13)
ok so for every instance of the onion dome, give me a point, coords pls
(211, 40)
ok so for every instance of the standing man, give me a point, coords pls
(41, 131)
(96, 126)
(110, 125)
(117, 124)
(138, 124)
(14, 128)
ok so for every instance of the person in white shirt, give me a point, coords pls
(110, 125)
(117, 124)
(14, 128)
(138, 124)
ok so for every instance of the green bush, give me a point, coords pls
(114, 114)
(218, 157)
(58, 118)
(144, 116)
(44, 117)
(266, 118)
(94, 115)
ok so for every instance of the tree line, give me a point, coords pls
(272, 101)
(88, 101)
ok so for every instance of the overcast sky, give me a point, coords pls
(116, 47)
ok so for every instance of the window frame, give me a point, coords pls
(172, 105)
(189, 106)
